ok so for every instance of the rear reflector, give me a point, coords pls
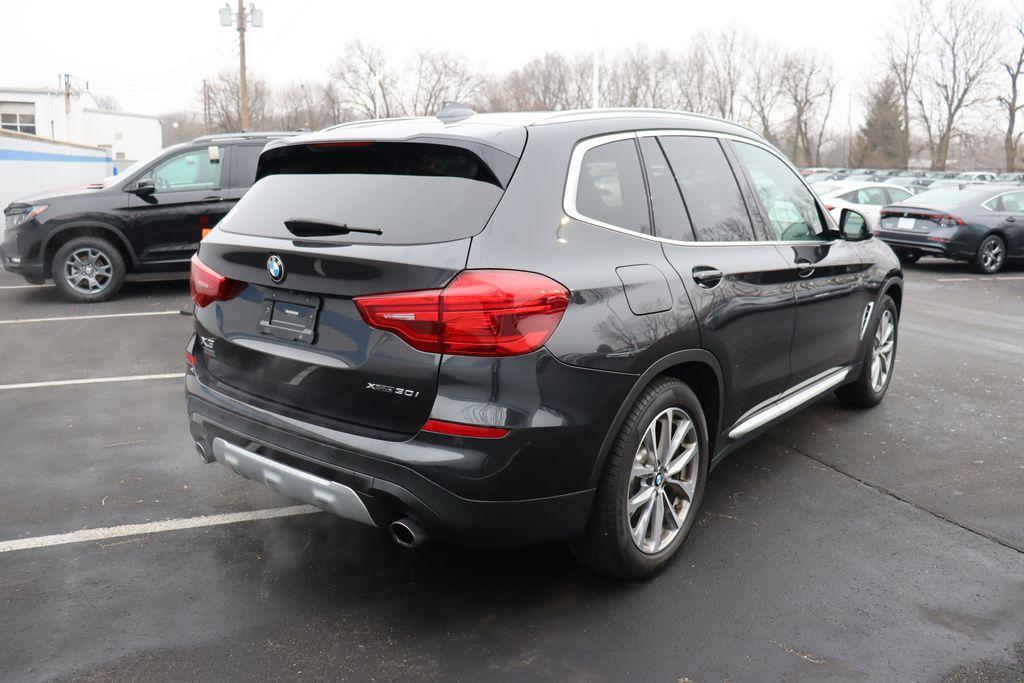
(480, 313)
(207, 285)
(190, 359)
(459, 429)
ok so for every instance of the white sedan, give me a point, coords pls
(865, 198)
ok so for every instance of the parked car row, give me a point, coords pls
(915, 181)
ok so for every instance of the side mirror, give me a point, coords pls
(145, 187)
(853, 225)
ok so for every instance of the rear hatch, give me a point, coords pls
(333, 221)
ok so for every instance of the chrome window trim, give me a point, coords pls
(587, 144)
(985, 203)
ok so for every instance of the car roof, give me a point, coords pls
(507, 131)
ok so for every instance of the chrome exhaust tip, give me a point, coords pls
(203, 456)
(407, 533)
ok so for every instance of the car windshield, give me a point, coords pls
(948, 196)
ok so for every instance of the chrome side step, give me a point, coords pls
(292, 482)
(827, 381)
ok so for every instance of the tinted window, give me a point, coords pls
(709, 187)
(869, 195)
(196, 169)
(896, 195)
(611, 186)
(791, 208)
(670, 218)
(243, 164)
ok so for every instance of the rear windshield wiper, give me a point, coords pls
(308, 227)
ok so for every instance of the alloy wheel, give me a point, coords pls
(88, 270)
(992, 254)
(882, 351)
(663, 480)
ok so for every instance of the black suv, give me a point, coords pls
(149, 218)
(514, 328)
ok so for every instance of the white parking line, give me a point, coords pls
(980, 277)
(17, 321)
(153, 527)
(92, 380)
(23, 286)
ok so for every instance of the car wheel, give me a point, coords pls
(651, 486)
(909, 256)
(88, 269)
(879, 359)
(991, 255)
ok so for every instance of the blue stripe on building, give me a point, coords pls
(22, 155)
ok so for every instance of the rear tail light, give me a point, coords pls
(190, 359)
(479, 313)
(459, 429)
(948, 221)
(207, 285)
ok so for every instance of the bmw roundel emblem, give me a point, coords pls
(275, 266)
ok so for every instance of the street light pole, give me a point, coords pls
(243, 81)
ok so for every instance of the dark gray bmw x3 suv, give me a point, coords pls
(515, 328)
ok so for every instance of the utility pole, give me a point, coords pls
(595, 81)
(243, 81)
(243, 17)
(206, 107)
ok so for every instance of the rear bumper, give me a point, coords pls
(954, 244)
(311, 464)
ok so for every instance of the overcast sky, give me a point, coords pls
(152, 55)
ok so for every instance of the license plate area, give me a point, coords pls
(291, 317)
(905, 223)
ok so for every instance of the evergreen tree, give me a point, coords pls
(879, 142)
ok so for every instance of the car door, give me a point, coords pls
(190, 197)
(1009, 208)
(828, 273)
(737, 284)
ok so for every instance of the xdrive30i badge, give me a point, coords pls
(275, 267)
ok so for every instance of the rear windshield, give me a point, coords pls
(367, 193)
(948, 196)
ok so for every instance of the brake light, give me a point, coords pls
(948, 221)
(459, 429)
(479, 313)
(207, 285)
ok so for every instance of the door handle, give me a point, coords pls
(707, 277)
(212, 198)
(804, 267)
(1011, 219)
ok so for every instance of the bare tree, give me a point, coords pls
(366, 83)
(542, 84)
(726, 60)
(225, 102)
(903, 44)
(106, 101)
(1011, 102)
(301, 104)
(808, 84)
(640, 77)
(764, 89)
(962, 33)
(437, 76)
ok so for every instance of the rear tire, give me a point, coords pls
(879, 357)
(88, 269)
(909, 256)
(665, 484)
(991, 255)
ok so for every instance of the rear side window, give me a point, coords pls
(611, 187)
(710, 190)
(367, 193)
(243, 164)
(670, 218)
(896, 195)
(791, 207)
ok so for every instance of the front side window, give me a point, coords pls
(710, 190)
(791, 208)
(611, 186)
(196, 169)
(1011, 203)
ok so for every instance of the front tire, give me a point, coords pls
(88, 269)
(878, 362)
(909, 257)
(991, 255)
(652, 484)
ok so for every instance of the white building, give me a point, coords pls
(77, 119)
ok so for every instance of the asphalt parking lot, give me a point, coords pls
(878, 545)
